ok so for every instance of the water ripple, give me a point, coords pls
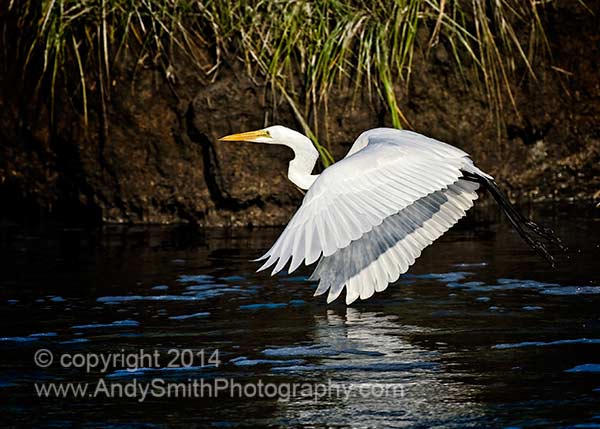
(190, 316)
(369, 367)
(243, 361)
(547, 343)
(115, 324)
(586, 367)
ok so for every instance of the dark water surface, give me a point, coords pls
(481, 333)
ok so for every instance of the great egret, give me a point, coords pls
(367, 217)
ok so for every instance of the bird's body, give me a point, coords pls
(367, 218)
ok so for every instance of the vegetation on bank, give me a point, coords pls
(302, 48)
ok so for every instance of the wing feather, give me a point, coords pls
(379, 257)
(358, 193)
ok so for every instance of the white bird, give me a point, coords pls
(368, 217)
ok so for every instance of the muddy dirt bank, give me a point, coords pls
(154, 157)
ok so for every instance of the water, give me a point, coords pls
(480, 333)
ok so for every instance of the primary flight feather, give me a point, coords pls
(367, 218)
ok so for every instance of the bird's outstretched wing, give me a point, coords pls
(370, 263)
(358, 203)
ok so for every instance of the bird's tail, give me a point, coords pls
(536, 236)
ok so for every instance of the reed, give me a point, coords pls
(304, 49)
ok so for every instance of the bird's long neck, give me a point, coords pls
(299, 171)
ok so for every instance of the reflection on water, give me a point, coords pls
(369, 351)
(480, 333)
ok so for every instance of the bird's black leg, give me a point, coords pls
(518, 221)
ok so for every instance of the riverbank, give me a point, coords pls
(151, 154)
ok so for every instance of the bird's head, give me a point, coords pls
(305, 154)
(275, 134)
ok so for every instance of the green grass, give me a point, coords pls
(303, 49)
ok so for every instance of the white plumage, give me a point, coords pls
(368, 217)
(381, 255)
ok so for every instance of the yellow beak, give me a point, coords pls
(245, 137)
